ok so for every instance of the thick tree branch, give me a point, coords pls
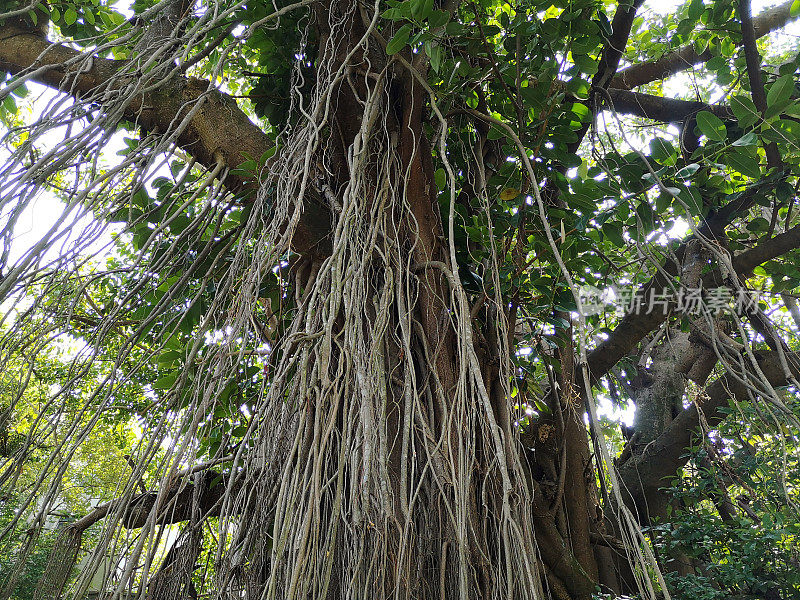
(144, 502)
(686, 57)
(177, 506)
(220, 130)
(753, 61)
(635, 326)
(609, 60)
(644, 474)
(665, 110)
(181, 503)
(615, 45)
(787, 241)
(752, 57)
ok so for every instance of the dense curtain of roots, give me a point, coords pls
(367, 492)
(366, 473)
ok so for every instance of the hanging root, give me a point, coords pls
(60, 564)
(397, 479)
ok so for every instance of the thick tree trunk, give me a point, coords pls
(437, 504)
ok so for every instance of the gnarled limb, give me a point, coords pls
(181, 503)
(635, 326)
(219, 131)
(658, 108)
(643, 474)
(686, 57)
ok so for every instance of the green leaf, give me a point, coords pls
(9, 104)
(399, 40)
(748, 139)
(794, 9)
(166, 382)
(125, 214)
(455, 29)
(438, 18)
(580, 110)
(117, 18)
(422, 9)
(711, 126)
(393, 14)
(21, 91)
(70, 16)
(169, 358)
(495, 133)
(693, 200)
(663, 202)
(475, 233)
(441, 178)
(781, 91)
(788, 130)
(784, 191)
(605, 26)
(434, 52)
(663, 151)
(402, 11)
(613, 231)
(743, 161)
(744, 110)
(421, 36)
(646, 216)
(687, 171)
(758, 224)
(578, 87)
(583, 170)
(585, 63)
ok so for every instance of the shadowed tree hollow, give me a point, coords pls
(399, 299)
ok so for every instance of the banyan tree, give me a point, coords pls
(419, 299)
